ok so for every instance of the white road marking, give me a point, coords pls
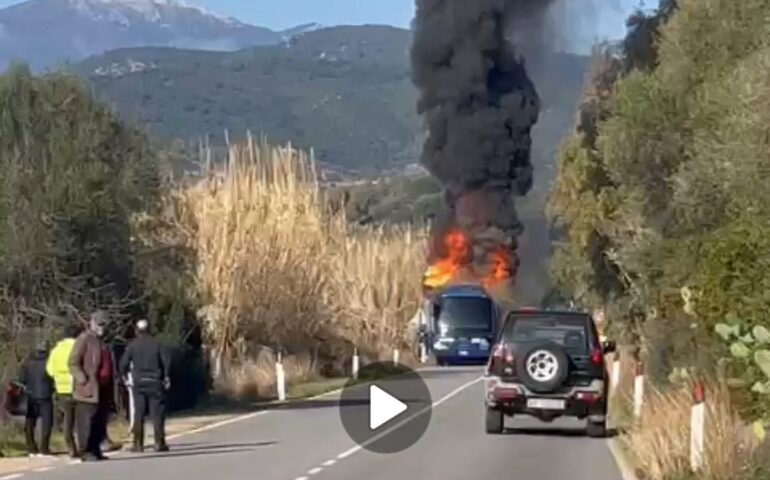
(314, 471)
(301, 478)
(626, 470)
(12, 476)
(244, 417)
(329, 463)
(219, 424)
(348, 453)
(42, 469)
(408, 419)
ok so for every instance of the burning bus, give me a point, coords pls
(460, 318)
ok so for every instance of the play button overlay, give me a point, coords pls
(383, 407)
(387, 410)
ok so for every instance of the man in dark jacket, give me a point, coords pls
(93, 372)
(148, 363)
(39, 390)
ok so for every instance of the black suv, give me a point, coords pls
(548, 364)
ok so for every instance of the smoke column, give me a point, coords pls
(479, 106)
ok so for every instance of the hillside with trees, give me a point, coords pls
(345, 92)
(661, 198)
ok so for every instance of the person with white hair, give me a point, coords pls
(92, 366)
(148, 363)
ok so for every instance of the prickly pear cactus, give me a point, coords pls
(750, 352)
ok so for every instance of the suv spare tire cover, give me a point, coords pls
(553, 370)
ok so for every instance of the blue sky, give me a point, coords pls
(279, 14)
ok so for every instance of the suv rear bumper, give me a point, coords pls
(578, 401)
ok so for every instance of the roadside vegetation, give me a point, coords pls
(232, 265)
(274, 267)
(661, 203)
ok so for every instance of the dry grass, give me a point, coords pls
(659, 443)
(256, 379)
(273, 265)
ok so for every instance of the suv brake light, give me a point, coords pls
(502, 352)
(597, 357)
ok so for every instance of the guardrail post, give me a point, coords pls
(354, 366)
(395, 355)
(280, 377)
(698, 427)
(131, 402)
(638, 389)
(615, 374)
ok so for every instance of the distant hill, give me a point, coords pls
(45, 33)
(345, 91)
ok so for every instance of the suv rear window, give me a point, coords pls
(570, 331)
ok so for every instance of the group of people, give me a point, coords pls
(79, 377)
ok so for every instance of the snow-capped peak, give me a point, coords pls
(150, 9)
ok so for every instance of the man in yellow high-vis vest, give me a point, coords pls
(58, 368)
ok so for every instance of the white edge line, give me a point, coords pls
(314, 471)
(12, 476)
(42, 469)
(246, 416)
(301, 478)
(249, 416)
(626, 470)
(329, 463)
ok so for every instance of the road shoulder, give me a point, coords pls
(621, 458)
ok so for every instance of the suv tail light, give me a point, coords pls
(597, 357)
(503, 353)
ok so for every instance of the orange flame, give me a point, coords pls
(457, 260)
(502, 267)
(444, 270)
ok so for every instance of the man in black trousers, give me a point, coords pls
(149, 364)
(39, 388)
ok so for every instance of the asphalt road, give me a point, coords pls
(307, 441)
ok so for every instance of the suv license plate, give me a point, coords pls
(546, 404)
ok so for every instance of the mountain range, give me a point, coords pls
(344, 91)
(181, 72)
(46, 33)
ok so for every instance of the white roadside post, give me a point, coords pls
(131, 401)
(698, 428)
(615, 374)
(354, 366)
(423, 353)
(280, 378)
(638, 390)
(395, 355)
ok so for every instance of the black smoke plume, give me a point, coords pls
(479, 106)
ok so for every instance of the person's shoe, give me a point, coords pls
(161, 448)
(136, 448)
(102, 456)
(73, 454)
(89, 457)
(110, 446)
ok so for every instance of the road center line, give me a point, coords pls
(329, 463)
(313, 471)
(408, 419)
